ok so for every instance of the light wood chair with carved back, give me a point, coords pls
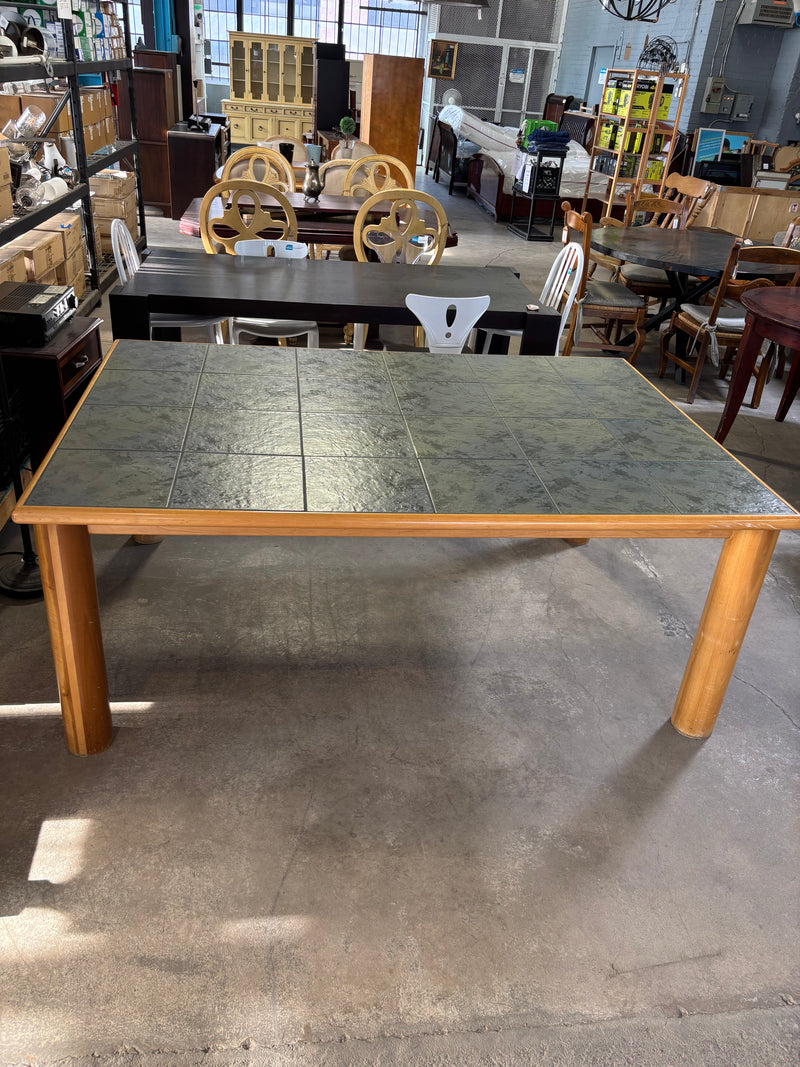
(372, 174)
(299, 154)
(600, 306)
(249, 209)
(256, 164)
(358, 150)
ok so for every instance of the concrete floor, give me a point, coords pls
(409, 802)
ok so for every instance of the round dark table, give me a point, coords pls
(683, 252)
(773, 315)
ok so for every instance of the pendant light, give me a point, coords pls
(635, 10)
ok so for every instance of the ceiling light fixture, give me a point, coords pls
(635, 10)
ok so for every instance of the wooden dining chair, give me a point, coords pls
(299, 154)
(412, 229)
(256, 164)
(249, 209)
(358, 150)
(334, 173)
(715, 330)
(601, 307)
(691, 193)
(373, 174)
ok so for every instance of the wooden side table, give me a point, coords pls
(772, 315)
(51, 380)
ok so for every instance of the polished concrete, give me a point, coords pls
(409, 802)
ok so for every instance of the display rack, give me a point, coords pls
(100, 275)
(540, 181)
(635, 134)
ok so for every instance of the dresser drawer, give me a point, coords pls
(79, 362)
(263, 128)
(240, 128)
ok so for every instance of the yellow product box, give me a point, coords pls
(611, 96)
(6, 202)
(42, 250)
(665, 103)
(108, 208)
(113, 183)
(12, 266)
(655, 168)
(633, 142)
(5, 167)
(68, 226)
(608, 135)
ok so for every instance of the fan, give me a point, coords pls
(451, 96)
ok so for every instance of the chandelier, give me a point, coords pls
(635, 10)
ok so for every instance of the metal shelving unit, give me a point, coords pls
(15, 70)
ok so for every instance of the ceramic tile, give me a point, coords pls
(593, 486)
(158, 355)
(715, 489)
(484, 437)
(442, 398)
(551, 441)
(366, 485)
(595, 370)
(369, 396)
(87, 478)
(508, 370)
(429, 366)
(129, 426)
(485, 487)
(630, 401)
(319, 363)
(274, 360)
(148, 388)
(665, 439)
(239, 483)
(355, 435)
(546, 397)
(258, 432)
(247, 392)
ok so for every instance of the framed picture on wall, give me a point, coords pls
(442, 60)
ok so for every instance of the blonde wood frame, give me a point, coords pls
(65, 559)
(399, 226)
(277, 170)
(373, 174)
(247, 226)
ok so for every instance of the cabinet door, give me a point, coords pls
(290, 73)
(240, 128)
(272, 63)
(306, 75)
(238, 69)
(264, 127)
(255, 57)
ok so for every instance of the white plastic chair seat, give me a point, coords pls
(276, 328)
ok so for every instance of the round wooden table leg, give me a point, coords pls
(734, 590)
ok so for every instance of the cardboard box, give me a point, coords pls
(5, 167)
(113, 183)
(10, 108)
(48, 278)
(131, 223)
(43, 251)
(47, 102)
(12, 266)
(68, 226)
(78, 282)
(6, 202)
(107, 208)
(69, 269)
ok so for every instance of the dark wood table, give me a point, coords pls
(773, 315)
(693, 260)
(328, 220)
(226, 439)
(320, 290)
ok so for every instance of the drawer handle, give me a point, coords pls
(78, 363)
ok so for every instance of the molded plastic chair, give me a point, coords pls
(559, 291)
(127, 262)
(245, 208)
(256, 164)
(278, 328)
(377, 173)
(444, 333)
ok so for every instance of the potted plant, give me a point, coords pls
(347, 127)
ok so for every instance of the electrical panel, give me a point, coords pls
(778, 13)
(742, 106)
(726, 102)
(715, 87)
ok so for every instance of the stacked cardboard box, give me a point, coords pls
(114, 198)
(50, 254)
(67, 226)
(43, 252)
(97, 114)
(113, 30)
(6, 195)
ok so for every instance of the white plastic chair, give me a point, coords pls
(127, 262)
(564, 278)
(278, 328)
(433, 313)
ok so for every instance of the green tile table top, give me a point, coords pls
(195, 427)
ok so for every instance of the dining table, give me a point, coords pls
(772, 315)
(331, 291)
(693, 258)
(327, 220)
(223, 440)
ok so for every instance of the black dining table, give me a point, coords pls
(692, 258)
(335, 291)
